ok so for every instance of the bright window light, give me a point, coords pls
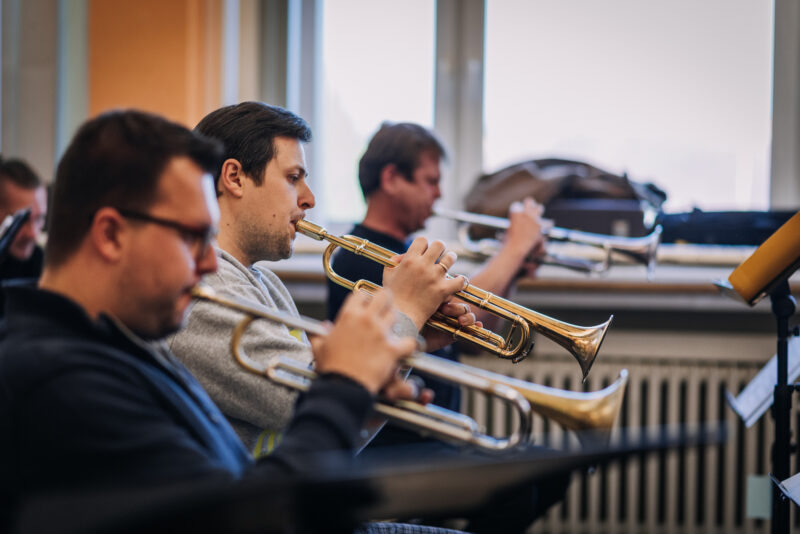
(377, 65)
(677, 93)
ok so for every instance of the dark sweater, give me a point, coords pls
(12, 270)
(354, 267)
(86, 405)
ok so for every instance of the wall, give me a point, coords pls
(158, 56)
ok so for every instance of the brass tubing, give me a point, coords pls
(583, 342)
(591, 413)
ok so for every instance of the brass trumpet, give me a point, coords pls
(591, 413)
(639, 249)
(583, 342)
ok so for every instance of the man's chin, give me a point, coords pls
(21, 254)
(168, 326)
(284, 253)
(160, 331)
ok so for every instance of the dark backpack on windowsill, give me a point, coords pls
(575, 195)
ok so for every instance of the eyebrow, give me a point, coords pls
(299, 169)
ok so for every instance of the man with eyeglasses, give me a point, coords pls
(90, 399)
(262, 192)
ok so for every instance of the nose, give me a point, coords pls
(207, 262)
(305, 200)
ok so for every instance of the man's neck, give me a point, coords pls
(226, 241)
(380, 218)
(77, 283)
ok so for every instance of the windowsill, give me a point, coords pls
(674, 287)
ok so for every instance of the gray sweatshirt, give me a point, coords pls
(256, 408)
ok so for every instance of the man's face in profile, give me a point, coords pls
(15, 198)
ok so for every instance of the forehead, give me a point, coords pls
(288, 151)
(181, 188)
(428, 164)
(15, 197)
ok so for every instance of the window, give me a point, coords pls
(377, 65)
(677, 93)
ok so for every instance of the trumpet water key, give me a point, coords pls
(591, 413)
(583, 342)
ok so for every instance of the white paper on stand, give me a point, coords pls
(791, 488)
(757, 396)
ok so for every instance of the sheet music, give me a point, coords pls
(791, 488)
(757, 396)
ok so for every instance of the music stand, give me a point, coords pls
(767, 272)
(789, 487)
(340, 496)
(757, 397)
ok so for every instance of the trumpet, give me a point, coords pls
(593, 413)
(639, 249)
(582, 342)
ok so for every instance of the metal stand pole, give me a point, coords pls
(783, 307)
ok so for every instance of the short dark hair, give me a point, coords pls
(248, 131)
(116, 159)
(19, 173)
(398, 144)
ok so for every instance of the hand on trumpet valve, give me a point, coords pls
(458, 310)
(362, 346)
(419, 282)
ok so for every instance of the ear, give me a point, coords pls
(231, 178)
(107, 234)
(389, 177)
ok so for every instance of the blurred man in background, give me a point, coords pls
(400, 175)
(21, 188)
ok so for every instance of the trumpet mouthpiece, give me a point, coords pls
(314, 231)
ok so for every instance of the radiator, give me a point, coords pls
(700, 490)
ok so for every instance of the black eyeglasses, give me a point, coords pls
(197, 239)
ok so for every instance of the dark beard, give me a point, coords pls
(263, 247)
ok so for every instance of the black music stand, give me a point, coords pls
(767, 272)
(338, 499)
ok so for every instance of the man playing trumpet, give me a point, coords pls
(262, 192)
(399, 174)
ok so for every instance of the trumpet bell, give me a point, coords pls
(589, 412)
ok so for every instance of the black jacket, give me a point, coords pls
(13, 270)
(354, 267)
(86, 405)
